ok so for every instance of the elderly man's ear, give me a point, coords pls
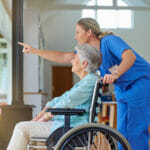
(84, 64)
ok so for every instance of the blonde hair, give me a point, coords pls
(90, 23)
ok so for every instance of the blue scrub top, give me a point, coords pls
(133, 84)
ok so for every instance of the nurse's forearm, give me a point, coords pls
(55, 56)
(128, 59)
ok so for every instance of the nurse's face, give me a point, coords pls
(81, 35)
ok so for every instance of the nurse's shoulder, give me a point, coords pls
(110, 37)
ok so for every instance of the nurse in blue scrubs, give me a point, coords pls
(132, 89)
(119, 62)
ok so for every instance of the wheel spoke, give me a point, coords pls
(94, 138)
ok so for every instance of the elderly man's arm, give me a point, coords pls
(79, 94)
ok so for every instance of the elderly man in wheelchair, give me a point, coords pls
(71, 110)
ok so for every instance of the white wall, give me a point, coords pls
(32, 94)
(31, 62)
(138, 37)
(59, 30)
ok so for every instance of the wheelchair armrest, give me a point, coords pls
(66, 111)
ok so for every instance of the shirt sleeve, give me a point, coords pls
(53, 102)
(117, 46)
(77, 95)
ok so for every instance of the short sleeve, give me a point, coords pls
(116, 46)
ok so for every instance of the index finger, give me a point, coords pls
(22, 44)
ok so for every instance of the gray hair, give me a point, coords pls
(91, 54)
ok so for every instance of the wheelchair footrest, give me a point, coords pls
(37, 147)
(37, 143)
(38, 139)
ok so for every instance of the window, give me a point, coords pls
(3, 71)
(104, 2)
(5, 68)
(110, 18)
(88, 13)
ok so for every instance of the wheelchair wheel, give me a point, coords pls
(94, 136)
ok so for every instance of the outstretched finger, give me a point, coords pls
(22, 44)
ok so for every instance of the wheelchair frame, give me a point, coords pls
(57, 138)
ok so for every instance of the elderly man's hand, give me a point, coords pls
(47, 116)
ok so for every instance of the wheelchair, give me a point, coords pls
(91, 136)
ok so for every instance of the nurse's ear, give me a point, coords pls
(89, 32)
(84, 64)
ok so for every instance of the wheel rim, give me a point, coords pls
(101, 140)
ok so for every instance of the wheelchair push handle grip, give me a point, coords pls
(101, 82)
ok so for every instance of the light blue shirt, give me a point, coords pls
(79, 97)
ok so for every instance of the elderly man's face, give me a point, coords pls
(76, 64)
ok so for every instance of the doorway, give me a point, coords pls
(62, 80)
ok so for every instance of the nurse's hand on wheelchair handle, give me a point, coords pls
(109, 79)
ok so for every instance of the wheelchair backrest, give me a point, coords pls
(96, 95)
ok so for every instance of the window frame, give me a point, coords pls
(114, 7)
